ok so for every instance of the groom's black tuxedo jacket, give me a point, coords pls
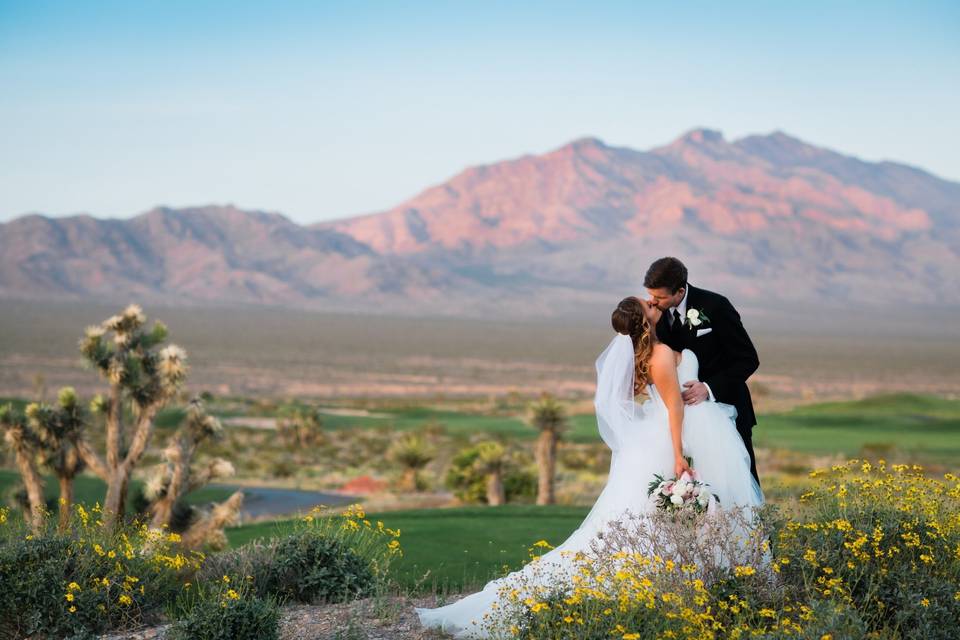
(727, 356)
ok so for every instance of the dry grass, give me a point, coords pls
(283, 353)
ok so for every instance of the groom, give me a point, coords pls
(706, 323)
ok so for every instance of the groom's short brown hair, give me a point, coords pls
(666, 273)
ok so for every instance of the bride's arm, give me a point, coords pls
(663, 370)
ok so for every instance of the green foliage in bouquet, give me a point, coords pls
(692, 496)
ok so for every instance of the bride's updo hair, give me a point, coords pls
(629, 320)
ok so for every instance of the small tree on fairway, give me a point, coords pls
(22, 440)
(413, 453)
(301, 427)
(548, 416)
(46, 434)
(58, 428)
(143, 375)
(491, 460)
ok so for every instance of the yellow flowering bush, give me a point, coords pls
(88, 579)
(883, 538)
(325, 558)
(225, 609)
(871, 551)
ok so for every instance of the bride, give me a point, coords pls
(645, 438)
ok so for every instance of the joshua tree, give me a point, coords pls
(491, 461)
(177, 477)
(46, 434)
(301, 427)
(58, 428)
(413, 453)
(24, 442)
(209, 528)
(549, 417)
(143, 376)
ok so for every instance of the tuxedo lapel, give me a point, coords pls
(693, 302)
(664, 330)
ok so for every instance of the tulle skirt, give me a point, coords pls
(709, 437)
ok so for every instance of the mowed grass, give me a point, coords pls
(449, 550)
(897, 426)
(90, 490)
(918, 427)
(583, 428)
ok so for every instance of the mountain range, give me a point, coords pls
(766, 219)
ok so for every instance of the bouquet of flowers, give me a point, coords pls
(684, 494)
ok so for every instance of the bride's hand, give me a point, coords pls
(680, 465)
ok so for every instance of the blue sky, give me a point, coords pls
(328, 109)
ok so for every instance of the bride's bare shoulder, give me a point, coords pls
(663, 356)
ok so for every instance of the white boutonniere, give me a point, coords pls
(695, 318)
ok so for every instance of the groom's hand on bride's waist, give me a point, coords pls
(695, 392)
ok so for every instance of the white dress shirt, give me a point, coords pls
(680, 308)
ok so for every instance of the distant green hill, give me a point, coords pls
(924, 428)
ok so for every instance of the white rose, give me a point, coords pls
(677, 500)
(694, 317)
(703, 499)
(679, 489)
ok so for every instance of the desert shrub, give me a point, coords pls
(469, 482)
(520, 485)
(325, 558)
(87, 580)
(310, 567)
(584, 457)
(16, 498)
(283, 469)
(226, 609)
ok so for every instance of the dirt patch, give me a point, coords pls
(385, 618)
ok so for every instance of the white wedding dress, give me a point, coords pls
(639, 438)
